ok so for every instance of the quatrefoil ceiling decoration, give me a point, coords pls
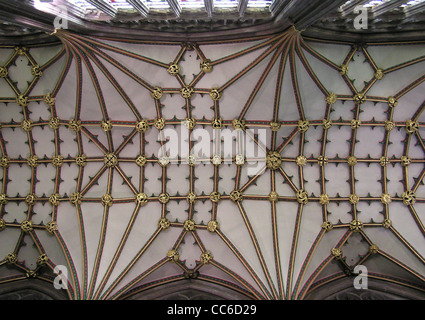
(339, 180)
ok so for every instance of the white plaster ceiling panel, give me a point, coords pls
(306, 159)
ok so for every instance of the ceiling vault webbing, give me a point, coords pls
(263, 233)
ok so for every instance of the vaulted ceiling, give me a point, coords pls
(270, 164)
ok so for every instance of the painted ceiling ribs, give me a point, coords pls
(266, 272)
(77, 154)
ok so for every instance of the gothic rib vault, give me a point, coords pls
(339, 181)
